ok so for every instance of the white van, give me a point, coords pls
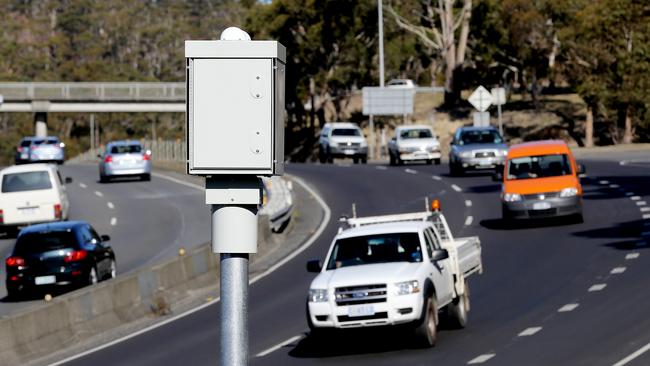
(32, 194)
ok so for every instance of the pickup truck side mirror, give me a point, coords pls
(581, 169)
(68, 180)
(314, 266)
(439, 255)
(105, 238)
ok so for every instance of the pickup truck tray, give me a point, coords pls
(469, 255)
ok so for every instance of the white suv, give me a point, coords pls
(32, 194)
(342, 140)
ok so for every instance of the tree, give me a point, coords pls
(444, 28)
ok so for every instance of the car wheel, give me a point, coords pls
(427, 330)
(92, 276)
(457, 310)
(437, 161)
(14, 294)
(103, 178)
(391, 159)
(112, 269)
(579, 219)
(364, 159)
(146, 177)
(429, 161)
(355, 160)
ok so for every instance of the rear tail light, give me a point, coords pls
(13, 278)
(14, 262)
(108, 159)
(75, 256)
(20, 149)
(146, 157)
(2, 217)
(57, 211)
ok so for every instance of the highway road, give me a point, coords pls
(552, 293)
(147, 221)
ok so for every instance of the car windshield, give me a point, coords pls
(126, 149)
(539, 166)
(480, 137)
(28, 181)
(31, 243)
(45, 142)
(420, 133)
(25, 143)
(382, 248)
(345, 132)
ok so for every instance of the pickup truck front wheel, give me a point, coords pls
(457, 310)
(427, 331)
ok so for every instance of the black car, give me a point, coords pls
(54, 255)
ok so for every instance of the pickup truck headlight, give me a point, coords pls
(502, 152)
(317, 295)
(407, 287)
(465, 154)
(511, 197)
(569, 192)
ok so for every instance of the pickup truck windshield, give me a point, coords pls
(345, 132)
(382, 248)
(480, 137)
(538, 166)
(416, 134)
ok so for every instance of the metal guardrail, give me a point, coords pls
(90, 91)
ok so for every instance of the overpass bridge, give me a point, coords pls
(42, 98)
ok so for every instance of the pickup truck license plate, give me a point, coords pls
(541, 206)
(348, 152)
(45, 280)
(361, 310)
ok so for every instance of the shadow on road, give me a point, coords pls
(501, 224)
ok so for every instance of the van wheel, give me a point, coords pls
(457, 310)
(437, 161)
(427, 330)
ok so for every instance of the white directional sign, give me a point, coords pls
(498, 96)
(481, 99)
(379, 101)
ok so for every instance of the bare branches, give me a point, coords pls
(430, 36)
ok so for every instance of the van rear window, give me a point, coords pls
(27, 181)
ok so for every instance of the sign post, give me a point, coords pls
(235, 134)
(499, 98)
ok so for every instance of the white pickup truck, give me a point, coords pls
(395, 269)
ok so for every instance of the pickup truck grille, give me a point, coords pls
(484, 154)
(365, 294)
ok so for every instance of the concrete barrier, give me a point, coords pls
(151, 292)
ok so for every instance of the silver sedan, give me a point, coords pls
(124, 159)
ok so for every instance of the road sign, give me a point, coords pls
(498, 96)
(481, 99)
(481, 119)
(378, 101)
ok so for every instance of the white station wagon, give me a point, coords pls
(32, 194)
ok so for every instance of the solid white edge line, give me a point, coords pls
(178, 181)
(280, 345)
(309, 242)
(456, 188)
(469, 220)
(481, 358)
(634, 355)
(110, 205)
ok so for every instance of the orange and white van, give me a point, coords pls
(541, 179)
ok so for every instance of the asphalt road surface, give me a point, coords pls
(147, 221)
(553, 293)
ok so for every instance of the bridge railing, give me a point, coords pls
(89, 91)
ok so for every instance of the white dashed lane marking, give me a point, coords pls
(411, 171)
(617, 270)
(628, 194)
(82, 185)
(110, 205)
(644, 209)
(646, 216)
(641, 203)
(481, 359)
(469, 220)
(468, 203)
(632, 256)
(435, 177)
(381, 167)
(568, 307)
(645, 233)
(614, 186)
(113, 221)
(99, 194)
(530, 331)
(635, 198)
(597, 287)
(604, 182)
(456, 188)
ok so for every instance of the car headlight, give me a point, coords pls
(317, 295)
(433, 148)
(511, 197)
(569, 192)
(407, 287)
(465, 154)
(503, 152)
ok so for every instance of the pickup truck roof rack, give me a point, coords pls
(435, 217)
